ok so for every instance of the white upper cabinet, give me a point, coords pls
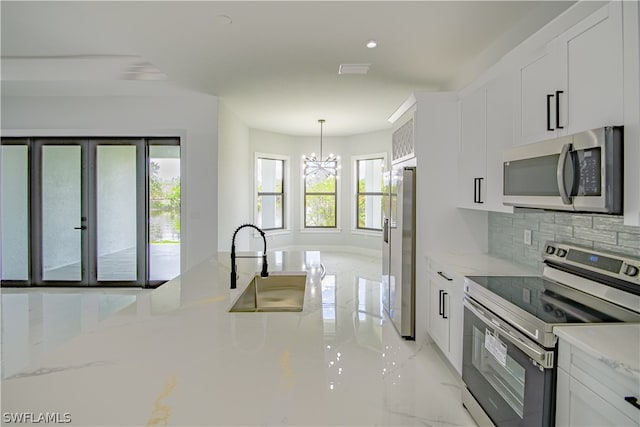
(486, 131)
(472, 165)
(574, 83)
(542, 89)
(595, 71)
(500, 101)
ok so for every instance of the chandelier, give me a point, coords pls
(318, 166)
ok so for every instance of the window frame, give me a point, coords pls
(335, 194)
(285, 187)
(355, 160)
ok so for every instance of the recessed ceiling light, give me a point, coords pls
(372, 43)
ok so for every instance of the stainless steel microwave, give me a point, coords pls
(581, 172)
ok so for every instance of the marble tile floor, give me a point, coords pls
(413, 383)
(164, 264)
(35, 322)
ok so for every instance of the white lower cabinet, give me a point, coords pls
(445, 312)
(592, 393)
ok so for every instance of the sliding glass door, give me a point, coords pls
(61, 211)
(79, 212)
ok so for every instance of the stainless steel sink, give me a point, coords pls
(278, 292)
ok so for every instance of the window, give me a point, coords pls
(320, 199)
(270, 193)
(369, 193)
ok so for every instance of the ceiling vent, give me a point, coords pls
(354, 69)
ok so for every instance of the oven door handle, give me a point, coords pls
(543, 357)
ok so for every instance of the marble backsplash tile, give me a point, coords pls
(599, 232)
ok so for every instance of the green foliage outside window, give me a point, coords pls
(320, 201)
(164, 198)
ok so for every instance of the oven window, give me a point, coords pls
(508, 379)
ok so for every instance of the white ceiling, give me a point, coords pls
(276, 64)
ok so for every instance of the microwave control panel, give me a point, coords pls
(588, 163)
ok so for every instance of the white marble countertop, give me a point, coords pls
(469, 264)
(181, 358)
(616, 345)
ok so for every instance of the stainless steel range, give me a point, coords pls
(509, 349)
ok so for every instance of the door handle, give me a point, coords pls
(385, 230)
(440, 310)
(82, 227)
(480, 190)
(549, 96)
(558, 92)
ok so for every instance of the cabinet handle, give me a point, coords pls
(475, 190)
(549, 96)
(440, 273)
(440, 310)
(444, 315)
(633, 400)
(558, 92)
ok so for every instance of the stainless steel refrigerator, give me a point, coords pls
(399, 246)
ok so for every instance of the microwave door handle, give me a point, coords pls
(560, 174)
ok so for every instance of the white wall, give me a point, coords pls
(235, 184)
(193, 117)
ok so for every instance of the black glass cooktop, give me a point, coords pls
(551, 302)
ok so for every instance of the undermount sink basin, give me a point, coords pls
(278, 292)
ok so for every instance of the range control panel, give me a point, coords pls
(617, 266)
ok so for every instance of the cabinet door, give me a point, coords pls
(438, 315)
(472, 158)
(455, 313)
(540, 79)
(595, 78)
(577, 405)
(500, 104)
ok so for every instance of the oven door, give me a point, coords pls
(508, 375)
